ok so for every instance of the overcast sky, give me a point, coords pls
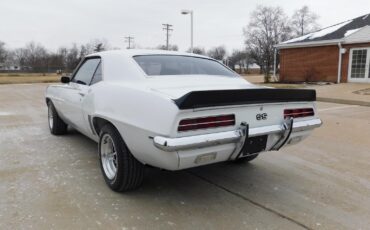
(56, 23)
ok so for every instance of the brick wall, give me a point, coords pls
(314, 63)
(309, 64)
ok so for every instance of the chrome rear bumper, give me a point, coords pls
(236, 136)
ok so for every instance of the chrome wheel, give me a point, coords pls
(50, 116)
(108, 156)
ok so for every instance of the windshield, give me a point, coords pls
(181, 65)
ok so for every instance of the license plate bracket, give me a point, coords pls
(254, 145)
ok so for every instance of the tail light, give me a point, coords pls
(206, 122)
(297, 113)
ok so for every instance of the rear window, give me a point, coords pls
(181, 65)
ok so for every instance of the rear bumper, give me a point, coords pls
(238, 136)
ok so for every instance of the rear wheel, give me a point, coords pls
(246, 159)
(56, 124)
(121, 171)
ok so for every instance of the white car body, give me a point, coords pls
(143, 109)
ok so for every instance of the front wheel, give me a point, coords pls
(121, 171)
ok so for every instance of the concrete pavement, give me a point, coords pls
(344, 93)
(50, 182)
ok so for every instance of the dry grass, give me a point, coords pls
(259, 80)
(284, 86)
(19, 78)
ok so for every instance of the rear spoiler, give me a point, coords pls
(212, 98)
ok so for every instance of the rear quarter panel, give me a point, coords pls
(139, 115)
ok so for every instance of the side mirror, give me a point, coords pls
(65, 79)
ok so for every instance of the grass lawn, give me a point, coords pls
(19, 78)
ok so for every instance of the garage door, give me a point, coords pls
(359, 65)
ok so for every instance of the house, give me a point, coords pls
(7, 67)
(245, 68)
(339, 53)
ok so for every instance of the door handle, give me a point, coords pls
(82, 94)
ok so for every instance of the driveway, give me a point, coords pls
(50, 182)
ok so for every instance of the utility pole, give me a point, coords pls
(129, 40)
(167, 28)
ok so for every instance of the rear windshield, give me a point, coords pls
(180, 65)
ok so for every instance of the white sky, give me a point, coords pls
(216, 22)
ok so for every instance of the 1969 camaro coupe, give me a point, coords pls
(173, 111)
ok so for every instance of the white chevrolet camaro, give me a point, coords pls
(173, 111)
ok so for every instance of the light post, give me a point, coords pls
(191, 27)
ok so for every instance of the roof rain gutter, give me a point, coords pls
(339, 62)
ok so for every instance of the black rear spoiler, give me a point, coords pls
(212, 98)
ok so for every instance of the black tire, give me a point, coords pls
(56, 124)
(246, 159)
(129, 173)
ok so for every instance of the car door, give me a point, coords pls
(76, 91)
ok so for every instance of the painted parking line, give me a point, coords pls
(338, 108)
(5, 114)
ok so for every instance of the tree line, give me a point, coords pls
(267, 27)
(34, 57)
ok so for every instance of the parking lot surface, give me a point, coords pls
(50, 182)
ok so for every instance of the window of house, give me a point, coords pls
(358, 65)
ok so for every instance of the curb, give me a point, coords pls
(343, 101)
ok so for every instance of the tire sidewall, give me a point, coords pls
(51, 109)
(120, 150)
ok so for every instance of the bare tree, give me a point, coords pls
(98, 45)
(87, 49)
(304, 21)
(170, 47)
(20, 57)
(268, 26)
(217, 53)
(238, 57)
(197, 50)
(36, 57)
(72, 58)
(3, 52)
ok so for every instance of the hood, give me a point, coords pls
(178, 85)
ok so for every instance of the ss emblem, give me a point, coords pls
(261, 116)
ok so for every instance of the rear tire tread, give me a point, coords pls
(246, 159)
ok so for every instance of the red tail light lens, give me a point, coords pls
(206, 122)
(297, 113)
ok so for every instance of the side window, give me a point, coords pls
(97, 76)
(86, 71)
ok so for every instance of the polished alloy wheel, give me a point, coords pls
(50, 117)
(108, 156)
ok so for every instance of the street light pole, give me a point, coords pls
(192, 37)
(191, 28)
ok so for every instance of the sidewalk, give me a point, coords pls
(344, 93)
